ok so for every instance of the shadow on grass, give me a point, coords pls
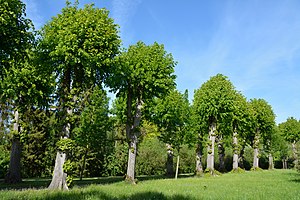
(38, 183)
(41, 183)
(157, 177)
(100, 195)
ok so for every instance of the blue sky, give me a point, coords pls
(256, 43)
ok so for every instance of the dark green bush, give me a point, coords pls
(187, 163)
(151, 158)
(4, 160)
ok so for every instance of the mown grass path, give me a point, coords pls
(276, 184)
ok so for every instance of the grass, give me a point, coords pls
(275, 184)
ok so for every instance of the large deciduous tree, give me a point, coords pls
(213, 104)
(141, 73)
(240, 126)
(77, 46)
(263, 126)
(15, 34)
(19, 81)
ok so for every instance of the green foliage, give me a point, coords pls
(143, 71)
(171, 115)
(263, 119)
(93, 123)
(37, 142)
(151, 158)
(15, 34)
(214, 100)
(187, 162)
(290, 129)
(4, 160)
(82, 41)
(115, 163)
(65, 144)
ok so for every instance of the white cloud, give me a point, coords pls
(33, 13)
(122, 12)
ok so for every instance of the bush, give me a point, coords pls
(115, 164)
(187, 162)
(151, 158)
(4, 160)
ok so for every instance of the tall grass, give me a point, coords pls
(276, 184)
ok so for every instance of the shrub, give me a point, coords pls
(151, 158)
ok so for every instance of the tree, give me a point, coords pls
(240, 126)
(213, 104)
(27, 87)
(172, 117)
(93, 126)
(15, 39)
(78, 46)
(15, 34)
(291, 132)
(141, 73)
(263, 125)
(20, 81)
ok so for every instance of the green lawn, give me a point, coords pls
(276, 184)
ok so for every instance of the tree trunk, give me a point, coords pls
(199, 168)
(271, 163)
(211, 148)
(83, 164)
(14, 171)
(241, 157)
(235, 163)
(170, 154)
(255, 159)
(59, 178)
(284, 164)
(295, 157)
(131, 159)
(133, 133)
(221, 152)
(177, 166)
(256, 151)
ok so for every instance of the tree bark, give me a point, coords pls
(235, 163)
(14, 171)
(295, 157)
(199, 168)
(284, 164)
(241, 157)
(132, 133)
(256, 151)
(177, 166)
(170, 154)
(59, 178)
(271, 163)
(211, 148)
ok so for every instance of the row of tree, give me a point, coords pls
(53, 101)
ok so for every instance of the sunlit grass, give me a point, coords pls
(276, 184)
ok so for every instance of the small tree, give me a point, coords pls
(93, 126)
(172, 117)
(290, 130)
(141, 73)
(263, 125)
